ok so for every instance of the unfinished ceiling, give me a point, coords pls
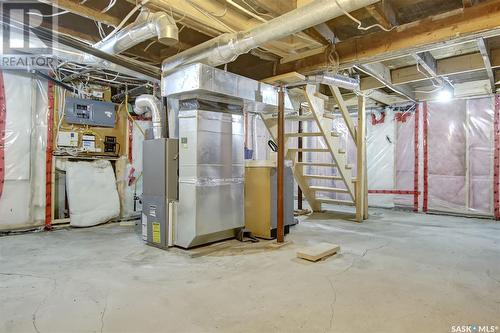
(411, 45)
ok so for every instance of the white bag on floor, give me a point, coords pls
(92, 195)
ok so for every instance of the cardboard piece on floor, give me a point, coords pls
(318, 251)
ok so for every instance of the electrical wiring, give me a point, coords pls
(149, 45)
(207, 14)
(110, 5)
(125, 19)
(256, 11)
(50, 15)
(358, 22)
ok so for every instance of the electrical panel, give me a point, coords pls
(89, 112)
(67, 139)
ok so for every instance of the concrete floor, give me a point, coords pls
(398, 272)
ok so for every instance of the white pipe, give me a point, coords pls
(228, 47)
(145, 103)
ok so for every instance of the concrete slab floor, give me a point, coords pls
(397, 272)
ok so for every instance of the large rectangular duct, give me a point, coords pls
(211, 176)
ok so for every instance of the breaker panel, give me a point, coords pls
(89, 112)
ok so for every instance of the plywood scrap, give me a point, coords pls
(318, 251)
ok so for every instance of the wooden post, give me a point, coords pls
(361, 205)
(299, 158)
(280, 234)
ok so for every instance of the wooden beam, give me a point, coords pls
(432, 32)
(84, 11)
(445, 67)
(382, 97)
(426, 61)
(383, 74)
(482, 44)
(383, 13)
(468, 3)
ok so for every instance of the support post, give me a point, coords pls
(361, 162)
(299, 158)
(49, 167)
(281, 164)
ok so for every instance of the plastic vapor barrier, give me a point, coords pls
(22, 201)
(432, 156)
(460, 156)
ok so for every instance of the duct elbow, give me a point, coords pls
(145, 103)
(165, 28)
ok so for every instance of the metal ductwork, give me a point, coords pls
(145, 103)
(147, 25)
(338, 80)
(228, 47)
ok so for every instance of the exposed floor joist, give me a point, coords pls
(433, 32)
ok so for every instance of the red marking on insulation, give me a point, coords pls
(376, 121)
(415, 166)
(402, 192)
(3, 120)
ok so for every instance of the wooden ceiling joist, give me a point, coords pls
(464, 25)
(84, 11)
(445, 67)
(384, 14)
(383, 75)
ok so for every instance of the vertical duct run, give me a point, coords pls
(228, 47)
(147, 25)
(145, 103)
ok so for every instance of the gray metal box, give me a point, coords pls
(89, 112)
(211, 177)
(160, 172)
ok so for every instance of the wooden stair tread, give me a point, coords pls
(326, 177)
(322, 177)
(335, 201)
(328, 189)
(303, 134)
(300, 118)
(311, 150)
(317, 164)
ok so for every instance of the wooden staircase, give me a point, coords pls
(330, 143)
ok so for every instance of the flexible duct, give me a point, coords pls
(228, 47)
(331, 79)
(147, 25)
(145, 103)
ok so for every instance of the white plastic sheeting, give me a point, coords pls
(22, 202)
(92, 194)
(460, 157)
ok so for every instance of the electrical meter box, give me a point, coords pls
(89, 112)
